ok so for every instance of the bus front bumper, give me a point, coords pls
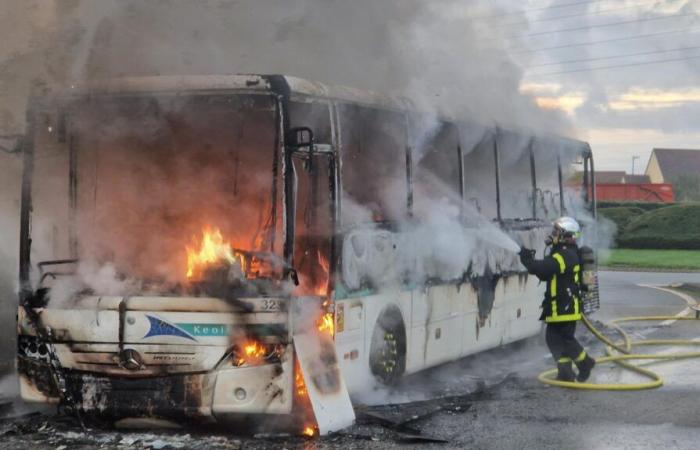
(264, 389)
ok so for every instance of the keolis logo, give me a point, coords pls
(159, 327)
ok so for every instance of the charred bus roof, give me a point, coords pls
(280, 84)
(294, 88)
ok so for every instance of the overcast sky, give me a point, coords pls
(654, 101)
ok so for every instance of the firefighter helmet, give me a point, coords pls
(567, 226)
(566, 230)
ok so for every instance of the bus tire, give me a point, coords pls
(388, 349)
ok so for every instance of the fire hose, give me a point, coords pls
(620, 353)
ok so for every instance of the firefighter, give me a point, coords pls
(561, 307)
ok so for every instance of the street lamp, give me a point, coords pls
(633, 159)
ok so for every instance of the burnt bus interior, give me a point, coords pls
(133, 179)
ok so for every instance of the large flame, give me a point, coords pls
(252, 354)
(213, 250)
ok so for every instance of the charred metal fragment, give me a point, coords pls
(72, 192)
(39, 374)
(25, 242)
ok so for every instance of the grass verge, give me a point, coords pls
(653, 259)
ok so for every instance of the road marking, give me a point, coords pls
(692, 304)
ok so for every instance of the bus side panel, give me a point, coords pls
(436, 328)
(489, 326)
(355, 344)
(525, 295)
(442, 324)
(350, 338)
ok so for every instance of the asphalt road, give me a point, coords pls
(516, 413)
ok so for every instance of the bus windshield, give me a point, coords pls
(163, 187)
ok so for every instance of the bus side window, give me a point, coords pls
(436, 174)
(373, 164)
(479, 170)
(516, 181)
(314, 115)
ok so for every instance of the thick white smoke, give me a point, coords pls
(436, 54)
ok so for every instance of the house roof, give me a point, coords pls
(609, 176)
(637, 179)
(676, 161)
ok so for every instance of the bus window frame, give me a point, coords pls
(560, 177)
(533, 177)
(60, 107)
(461, 183)
(589, 181)
(497, 166)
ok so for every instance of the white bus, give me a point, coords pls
(173, 228)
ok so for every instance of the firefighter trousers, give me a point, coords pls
(562, 342)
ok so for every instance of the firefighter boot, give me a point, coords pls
(566, 372)
(585, 364)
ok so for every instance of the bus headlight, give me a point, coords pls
(240, 394)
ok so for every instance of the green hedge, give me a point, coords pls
(665, 228)
(621, 215)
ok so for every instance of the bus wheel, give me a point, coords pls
(388, 349)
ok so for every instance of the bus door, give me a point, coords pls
(315, 205)
(314, 173)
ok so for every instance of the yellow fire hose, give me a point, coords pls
(625, 355)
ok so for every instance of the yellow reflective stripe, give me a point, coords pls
(553, 287)
(563, 318)
(555, 317)
(581, 356)
(564, 360)
(577, 269)
(560, 260)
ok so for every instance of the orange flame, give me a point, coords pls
(301, 391)
(213, 249)
(326, 324)
(253, 353)
(321, 287)
(309, 427)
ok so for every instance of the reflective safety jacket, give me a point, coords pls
(562, 272)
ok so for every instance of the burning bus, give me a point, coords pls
(221, 247)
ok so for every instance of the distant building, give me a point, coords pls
(666, 165)
(613, 177)
(618, 186)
